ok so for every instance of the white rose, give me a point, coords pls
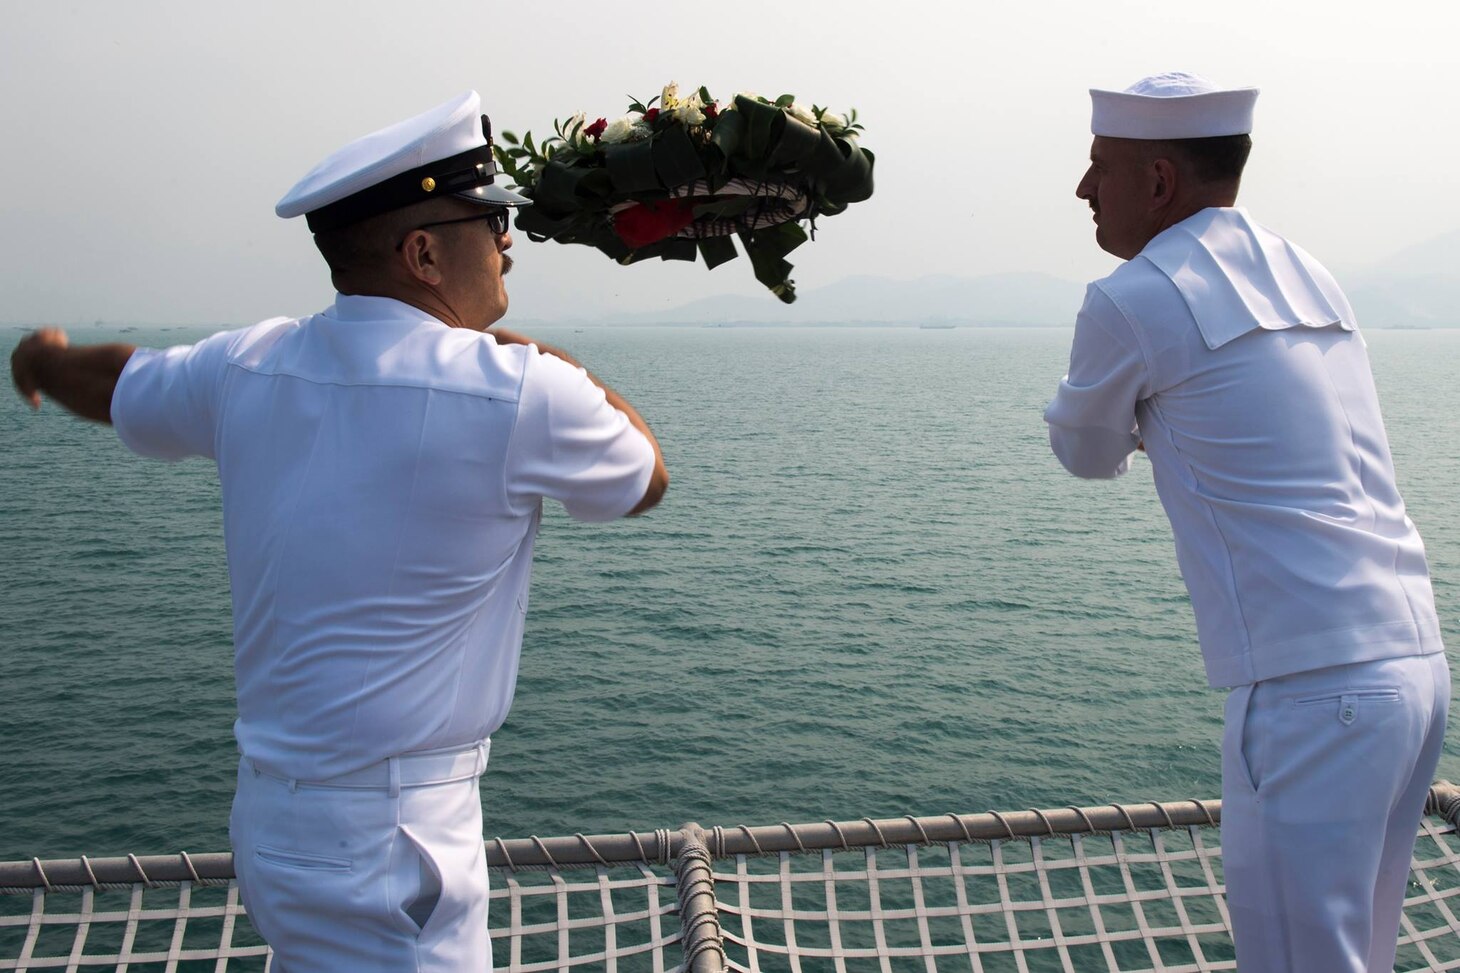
(801, 113)
(669, 97)
(625, 128)
(832, 120)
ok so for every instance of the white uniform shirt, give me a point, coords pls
(382, 476)
(1232, 354)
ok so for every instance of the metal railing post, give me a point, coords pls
(699, 913)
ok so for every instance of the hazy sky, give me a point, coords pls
(145, 143)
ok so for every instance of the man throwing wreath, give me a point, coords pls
(383, 465)
(1231, 357)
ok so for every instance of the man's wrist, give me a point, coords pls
(43, 363)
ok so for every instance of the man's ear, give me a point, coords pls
(421, 258)
(1163, 183)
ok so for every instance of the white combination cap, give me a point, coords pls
(1175, 105)
(445, 151)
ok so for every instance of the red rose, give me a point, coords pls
(596, 129)
(711, 111)
(651, 115)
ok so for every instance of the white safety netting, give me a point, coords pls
(619, 920)
(1130, 900)
(136, 929)
(615, 919)
(1123, 901)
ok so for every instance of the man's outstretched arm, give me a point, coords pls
(81, 379)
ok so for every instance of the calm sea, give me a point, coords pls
(870, 591)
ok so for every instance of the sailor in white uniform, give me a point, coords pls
(1232, 358)
(383, 465)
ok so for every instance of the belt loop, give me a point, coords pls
(293, 785)
(393, 763)
(481, 758)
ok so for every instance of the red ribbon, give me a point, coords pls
(650, 222)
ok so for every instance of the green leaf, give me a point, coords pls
(596, 182)
(676, 248)
(717, 250)
(785, 101)
(729, 129)
(767, 249)
(762, 127)
(797, 144)
(675, 159)
(631, 165)
(508, 137)
(557, 190)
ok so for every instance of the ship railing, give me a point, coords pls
(1115, 888)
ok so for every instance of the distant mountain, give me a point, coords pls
(1418, 287)
(1428, 301)
(1439, 256)
(1005, 299)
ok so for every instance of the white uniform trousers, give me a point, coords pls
(1324, 777)
(379, 871)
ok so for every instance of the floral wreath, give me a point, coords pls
(678, 179)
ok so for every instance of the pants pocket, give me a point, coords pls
(417, 877)
(285, 858)
(1237, 739)
(1348, 704)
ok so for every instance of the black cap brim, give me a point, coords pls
(491, 194)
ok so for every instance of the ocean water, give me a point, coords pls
(870, 591)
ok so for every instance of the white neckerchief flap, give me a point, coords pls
(1236, 276)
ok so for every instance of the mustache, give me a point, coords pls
(506, 264)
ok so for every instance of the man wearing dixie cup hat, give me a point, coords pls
(383, 465)
(1231, 357)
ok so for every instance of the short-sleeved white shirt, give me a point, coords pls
(382, 476)
(1270, 458)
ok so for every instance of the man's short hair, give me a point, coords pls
(361, 249)
(1217, 159)
(348, 250)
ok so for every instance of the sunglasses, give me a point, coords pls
(498, 220)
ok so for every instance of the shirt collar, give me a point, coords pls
(1237, 276)
(365, 307)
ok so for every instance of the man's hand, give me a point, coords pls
(505, 337)
(82, 379)
(27, 361)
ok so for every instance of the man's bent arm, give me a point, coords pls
(1092, 420)
(659, 479)
(1093, 453)
(81, 379)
